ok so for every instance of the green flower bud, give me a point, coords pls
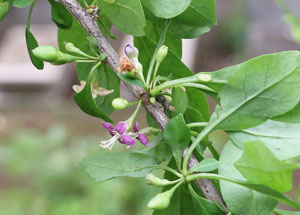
(152, 100)
(109, 1)
(160, 201)
(120, 103)
(73, 49)
(204, 77)
(90, 10)
(158, 182)
(46, 53)
(162, 53)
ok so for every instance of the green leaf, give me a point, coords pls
(199, 13)
(178, 136)
(292, 116)
(240, 200)
(4, 8)
(93, 45)
(259, 165)
(115, 164)
(179, 100)
(60, 15)
(166, 9)
(257, 187)
(282, 212)
(203, 206)
(109, 80)
(75, 35)
(262, 88)
(283, 139)
(206, 165)
(182, 30)
(32, 43)
(192, 115)
(198, 101)
(131, 80)
(84, 99)
(22, 3)
(127, 15)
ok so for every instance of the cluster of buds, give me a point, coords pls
(120, 133)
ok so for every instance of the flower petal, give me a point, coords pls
(131, 51)
(135, 127)
(127, 140)
(109, 127)
(143, 139)
(121, 127)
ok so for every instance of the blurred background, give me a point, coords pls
(44, 135)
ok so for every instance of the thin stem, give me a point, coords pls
(199, 86)
(200, 137)
(131, 119)
(85, 61)
(30, 13)
(167, 169)
(155, 72)
(95, 67)
(159, 44)
(197, 124)
(213, 151)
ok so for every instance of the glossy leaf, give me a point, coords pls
(262, 88)
(166, 9)
(32, 43)
(93, 45)
(21, 3)
(182, 30)
(199, 13)
(240, 200)
(4, 8)
(259, 165)
(292, 116)
(75, 35)
(109, 165)
(126, 15)
(203, 206)
(60, 15)
(198, 101)
(84, 99)
(131, 80)
(206, 165)
(283, 139)
(178, 136)
(179, 100)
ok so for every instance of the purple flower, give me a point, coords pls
(141, 137)
(131, 52)
(118, 133)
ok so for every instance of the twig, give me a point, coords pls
(91, 27)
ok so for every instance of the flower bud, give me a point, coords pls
(204, 77)
(152, 100)
(73, 49)
(119, 103)
(131, 52)
(160, 201)
(158, 182)
(162, 53)
(46, 53)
